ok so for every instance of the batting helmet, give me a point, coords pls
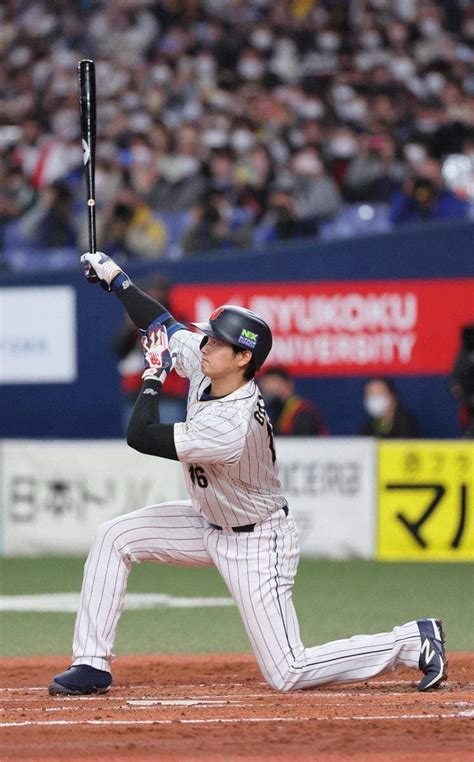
(241, 328)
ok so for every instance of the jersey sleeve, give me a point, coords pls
(211, 438)
(188, 355)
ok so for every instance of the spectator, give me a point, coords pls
(315, 194)
(374, 174)
(290, 414)
(214, 226)
(130, 230)
(281, 222)
(285, 88)
(127, 348)
(180, 184)
(462, 381)
(389, 419)
(17, 195)
(49, 223)
(424, 197)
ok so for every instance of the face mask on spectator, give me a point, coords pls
(261, 39)
(214, 138)
(415, 153)
(426, 124)
(161, 74)
(343, 147)
(205, 65)
(130, 101)
(377, 405)
(370, 40)
(141, 155)
(65, 125)
(310, 109)
(402, 68)
(328, 41)
(140, 122)
(242, 140)
(20, 56)
(179, 167)
(429, 28)
(355, 110)
(435, 82)
(307, 164)
(342, 93)
(250, 68)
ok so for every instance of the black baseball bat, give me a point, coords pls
(87, 112)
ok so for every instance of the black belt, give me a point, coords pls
(247, 527)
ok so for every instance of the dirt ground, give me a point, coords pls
(217, 708)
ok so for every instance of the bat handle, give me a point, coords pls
(92, 230)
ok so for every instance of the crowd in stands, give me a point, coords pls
(225, 123)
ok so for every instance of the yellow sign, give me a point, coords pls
(426, 501)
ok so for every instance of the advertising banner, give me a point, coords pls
(330, 488)
(426, 501)
(55, 494)
(38, 335)
(350, 328)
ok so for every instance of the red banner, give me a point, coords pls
(349, 328)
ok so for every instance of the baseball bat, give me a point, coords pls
(87, 112)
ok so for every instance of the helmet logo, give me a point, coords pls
(248, 338)
(216, 313)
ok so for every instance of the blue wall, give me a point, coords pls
(91, 406)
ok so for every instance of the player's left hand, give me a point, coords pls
(99, 268)
(159, 361)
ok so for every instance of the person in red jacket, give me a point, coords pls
(290, 414)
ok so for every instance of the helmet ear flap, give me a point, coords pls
(204, 342)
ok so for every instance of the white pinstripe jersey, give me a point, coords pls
(225, 446)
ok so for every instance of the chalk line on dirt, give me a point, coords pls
(243, 720)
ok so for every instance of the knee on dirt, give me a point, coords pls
(283, 682)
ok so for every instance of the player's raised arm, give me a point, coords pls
(141, 307)
(145, 432)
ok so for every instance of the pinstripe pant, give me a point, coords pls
(258, 568)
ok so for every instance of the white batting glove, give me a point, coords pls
(159, 361)
(100, 267)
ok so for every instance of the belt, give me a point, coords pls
(246, 527)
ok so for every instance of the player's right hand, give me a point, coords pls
(159, 361)
(99, 268)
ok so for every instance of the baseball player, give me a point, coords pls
(236, 518)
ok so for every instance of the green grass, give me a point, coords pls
(333, 599)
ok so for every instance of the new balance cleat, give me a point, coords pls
(433, 662)
(80, 680)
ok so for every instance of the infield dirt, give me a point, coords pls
(217, 707)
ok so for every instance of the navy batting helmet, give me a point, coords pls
(241, 328)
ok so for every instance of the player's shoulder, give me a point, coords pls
(185, 338)
(244, 396)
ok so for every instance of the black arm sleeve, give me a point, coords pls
(145, 433)
(141, 307)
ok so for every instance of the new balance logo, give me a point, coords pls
(426, 652)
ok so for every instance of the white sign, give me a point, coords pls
(330, 486)
(56, 493)
(37, 335)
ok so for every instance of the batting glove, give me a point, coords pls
(99, 268)
(159, 361)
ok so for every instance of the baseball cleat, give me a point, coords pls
(433, 662)
(80, 681)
